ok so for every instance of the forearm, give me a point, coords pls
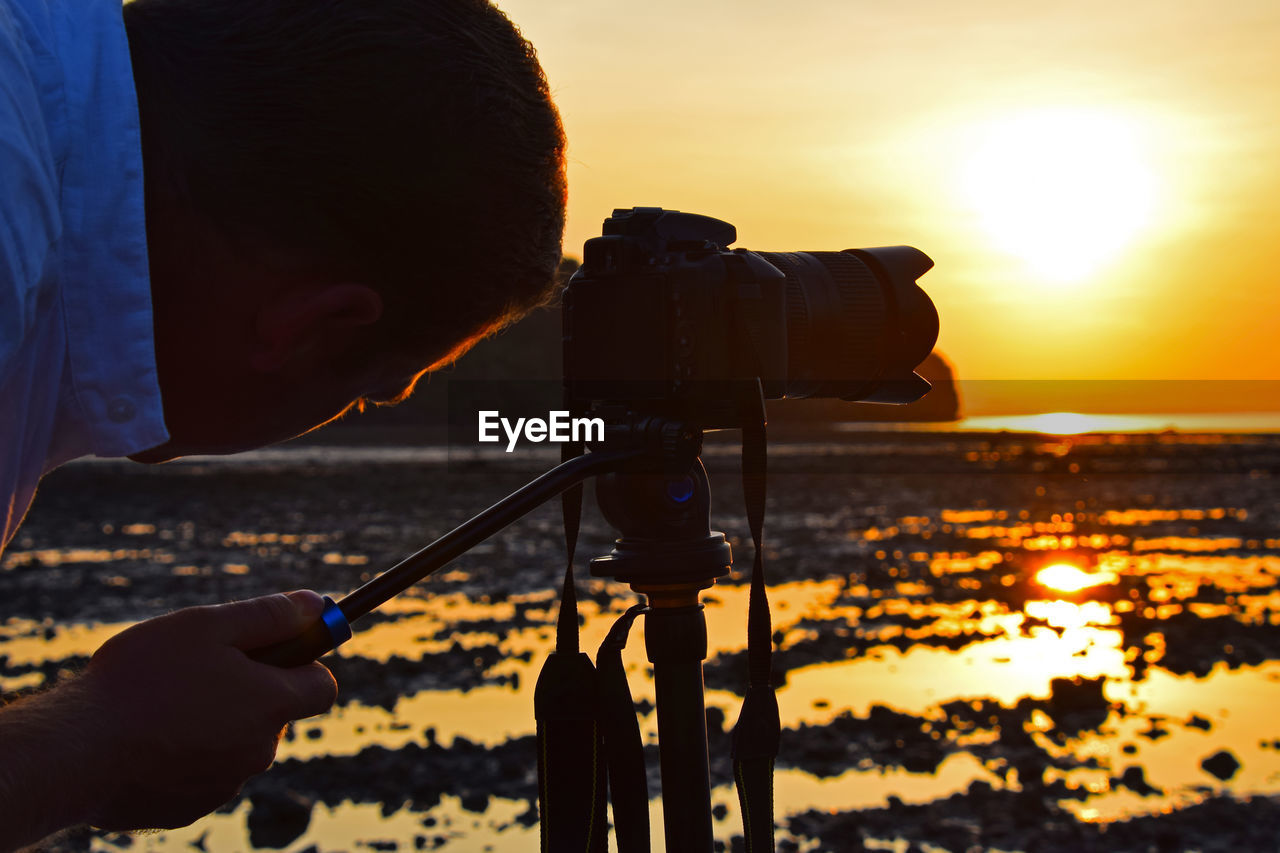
(51, 763)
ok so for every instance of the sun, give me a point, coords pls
(1066, 190)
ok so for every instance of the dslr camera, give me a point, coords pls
(662, 318)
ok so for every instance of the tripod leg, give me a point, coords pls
(676, 642)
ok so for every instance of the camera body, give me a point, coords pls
(663, 319)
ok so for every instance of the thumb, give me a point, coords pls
(258, 622)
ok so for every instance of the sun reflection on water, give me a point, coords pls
(1065, 577)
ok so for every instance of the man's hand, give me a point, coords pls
(168, 721)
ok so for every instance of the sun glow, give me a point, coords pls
(1065, 577)
(1066, 190)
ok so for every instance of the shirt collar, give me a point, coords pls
(106, 285)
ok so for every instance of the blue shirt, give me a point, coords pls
(77, 354)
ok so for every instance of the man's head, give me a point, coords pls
(340, 195)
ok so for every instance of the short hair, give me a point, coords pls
(409, 144)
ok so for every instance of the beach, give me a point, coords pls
(983, 640)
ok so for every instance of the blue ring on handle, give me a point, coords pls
(336, 621)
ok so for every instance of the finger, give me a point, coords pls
(259, 756)
(258, 622)
(311, 690)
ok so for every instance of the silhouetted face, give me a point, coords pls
(250, 355)
(220, 417)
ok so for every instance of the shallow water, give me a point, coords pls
(977, 625)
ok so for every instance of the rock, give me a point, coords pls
(1077, 704)
(529, 816)
(1072, 695)
(1154, 730)
(1221, 765)
(278, 818)
(476, 802)
(1135, 779)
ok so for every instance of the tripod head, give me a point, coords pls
(665, 522)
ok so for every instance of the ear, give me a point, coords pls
(299, 321)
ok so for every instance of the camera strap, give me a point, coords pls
(571, 770)
(758, 730)
(628, 783)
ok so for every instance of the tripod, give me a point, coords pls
(653, 488)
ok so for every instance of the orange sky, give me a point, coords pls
(1096, 180)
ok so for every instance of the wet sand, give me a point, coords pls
(936, 692)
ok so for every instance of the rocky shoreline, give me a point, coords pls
(924, 538)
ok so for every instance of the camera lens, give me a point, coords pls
(857, 323)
